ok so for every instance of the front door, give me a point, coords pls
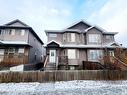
(52, 56)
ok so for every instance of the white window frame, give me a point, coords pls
(71, 53)
(1, 51)
(109, 37)
(12, 32)
(111, 53)
(13, 50)
(73, 36)
(95, 55)
(23, 32)
(21, 50)
(72, 67)
(94, 38)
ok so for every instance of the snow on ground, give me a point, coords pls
(77, 87)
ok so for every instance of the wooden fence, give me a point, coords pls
(52, 76)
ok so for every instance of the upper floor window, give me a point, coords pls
(71, 53)
(64, 37)
(52, 35)
(109, 37)
(71, 37)
(95, 38)
(11, 32)
(22, 32)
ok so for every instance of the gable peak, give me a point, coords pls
(16, 22)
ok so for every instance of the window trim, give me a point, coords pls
(22, 32)
(2, 51)
(21, 50)
(111, 53)
(71, 53)
(11, 32)
(73, 37)
(95, 56)
(94, 38)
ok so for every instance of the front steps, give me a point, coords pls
(50, 66)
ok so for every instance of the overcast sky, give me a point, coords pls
(57, 14)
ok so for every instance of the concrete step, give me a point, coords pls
(50, 66)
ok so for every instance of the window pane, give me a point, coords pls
(22, 32)
(94, 38)
(21, 50)
(95, 55)
(111, 53)
(72, 37)
(52, 53)
(71, 54)
(13, 32)
(1, 51)
(11, 50)
(64, 37)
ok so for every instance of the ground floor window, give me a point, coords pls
(71, 54)
(14, 52)
(72, 67)
(94, 55)
(1, 51)
(111, 53)
(21, 50)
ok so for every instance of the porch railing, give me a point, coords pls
(12, 60)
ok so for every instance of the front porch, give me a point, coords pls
(13, 55)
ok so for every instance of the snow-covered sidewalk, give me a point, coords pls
(66, 88)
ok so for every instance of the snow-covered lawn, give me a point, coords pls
(66, 88)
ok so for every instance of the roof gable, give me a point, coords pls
(81, 25)
(17, 23)
(100, 29)
(53, 44)
(94, 27)
(115, 44)
(21, 25)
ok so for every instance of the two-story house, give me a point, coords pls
(77, 43)
(19, 44)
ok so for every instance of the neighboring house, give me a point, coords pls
(77, 43)
(19, 44)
